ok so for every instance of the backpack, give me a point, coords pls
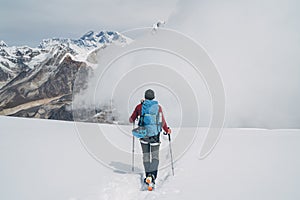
(150, 123)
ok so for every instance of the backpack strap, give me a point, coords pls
(159, 121)
(141, 120)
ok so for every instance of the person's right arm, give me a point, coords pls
(135, 114)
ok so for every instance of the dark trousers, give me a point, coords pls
(150, 157)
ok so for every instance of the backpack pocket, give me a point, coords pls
(139, 132)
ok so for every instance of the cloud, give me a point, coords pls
(255, 46)
(27, 22)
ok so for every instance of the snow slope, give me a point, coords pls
(43, 159)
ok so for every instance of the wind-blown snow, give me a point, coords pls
(43, 159)
(255, 46)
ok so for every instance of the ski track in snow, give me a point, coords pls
(130, 187)
(126, 186)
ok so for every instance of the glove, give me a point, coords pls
(169, 131)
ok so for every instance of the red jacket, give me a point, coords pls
(137, 112)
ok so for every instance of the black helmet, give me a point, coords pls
(149, 94)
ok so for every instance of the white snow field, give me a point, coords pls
(46, 160)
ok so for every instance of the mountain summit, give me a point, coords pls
(14, 60)
(89, 40)
(2, 44)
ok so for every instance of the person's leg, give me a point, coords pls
(146, 157)
(154, 159)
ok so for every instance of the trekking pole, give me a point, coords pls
(170, 147)
(132, 164)
(171, 153)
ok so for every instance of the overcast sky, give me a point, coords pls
(255, 44)
(29, 21)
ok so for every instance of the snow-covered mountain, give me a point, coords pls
(38, 82)
(14, 60)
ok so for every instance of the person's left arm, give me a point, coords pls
(164, 123)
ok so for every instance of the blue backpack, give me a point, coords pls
(150, 120)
